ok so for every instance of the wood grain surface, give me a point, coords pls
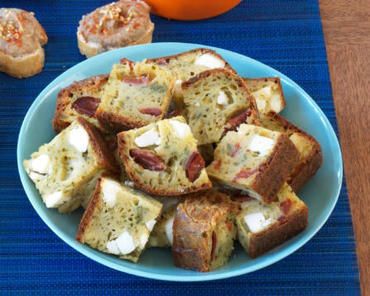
(347, 34)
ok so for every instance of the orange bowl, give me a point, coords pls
(191, 9)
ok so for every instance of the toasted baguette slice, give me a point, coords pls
(308, 147)
(118, 220)
(80, 99)
(268, 94)
(136, 95)
(204, 231)
(254, 159)
(217, 101)
(162, 234)
(22, 38)
(162, 158)
(64, 169)
(262, 227)
(115, 25)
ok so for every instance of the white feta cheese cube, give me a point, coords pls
(169, 229)
(40, 164)
(182, 130)
(122, 245)
(149, 138)
(150, 224)
(209, 61)
(257, 222)
(110, 191)
(222, 99)
(261, 144)
(79, 138)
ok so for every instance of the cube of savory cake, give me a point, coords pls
(308, 147)
(204, 231)
(268, 93)
(261, 227)
(118, 220)
(80, 99)
(162, 158)
(254, 159)
(190, 63)
(64, 169)
(217, 101)
(135, 95)
(162, 234)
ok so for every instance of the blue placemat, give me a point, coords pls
(286, 35)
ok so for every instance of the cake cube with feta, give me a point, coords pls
(162, 158)
(268, 93)
(118, 220)
(204, 231)
(215, 102)
(190, 63)
(136, 94)
(162, 234)
(262, 227)
(255, 160)
(65, 170)
(309, 148)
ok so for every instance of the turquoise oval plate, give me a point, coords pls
(320, 194)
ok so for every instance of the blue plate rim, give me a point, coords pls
(284, 252)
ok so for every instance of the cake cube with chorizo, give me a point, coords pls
(262, 227)
(80, 99)
(204, 231)
(136, 94)
(254, 159)
(64, 169)
(190, 63)
(118, 220)
(215, 102)
(267, 92)
(309, 149)
(162, 158)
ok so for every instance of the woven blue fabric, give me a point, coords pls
(286, 35)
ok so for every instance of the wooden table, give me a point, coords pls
(347, 33)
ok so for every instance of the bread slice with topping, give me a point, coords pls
(268, 93)
(254, 159)
(308, 147)
(262, 227)
(204, 231)
(118, 220)
(21, 41)
(135, 95)
(64, 169)
(215, 102)
(80, 99)
(162, 158)
(162, 234)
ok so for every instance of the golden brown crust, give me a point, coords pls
(196, 50)
(89, 212)
(93, 83)
(276, 169)
(308, 166)
(277, 234)
(195, 221)
(106, 157)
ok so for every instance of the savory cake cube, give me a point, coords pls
(162, 158)
(118, 220)
(135, 95)
(204, 231)
(215, 102)
(254, 159)
(262, 227)
(268, 93)
(190, 63)
(308, 147)
(80, 99)
(162, 234)
(64, 169)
